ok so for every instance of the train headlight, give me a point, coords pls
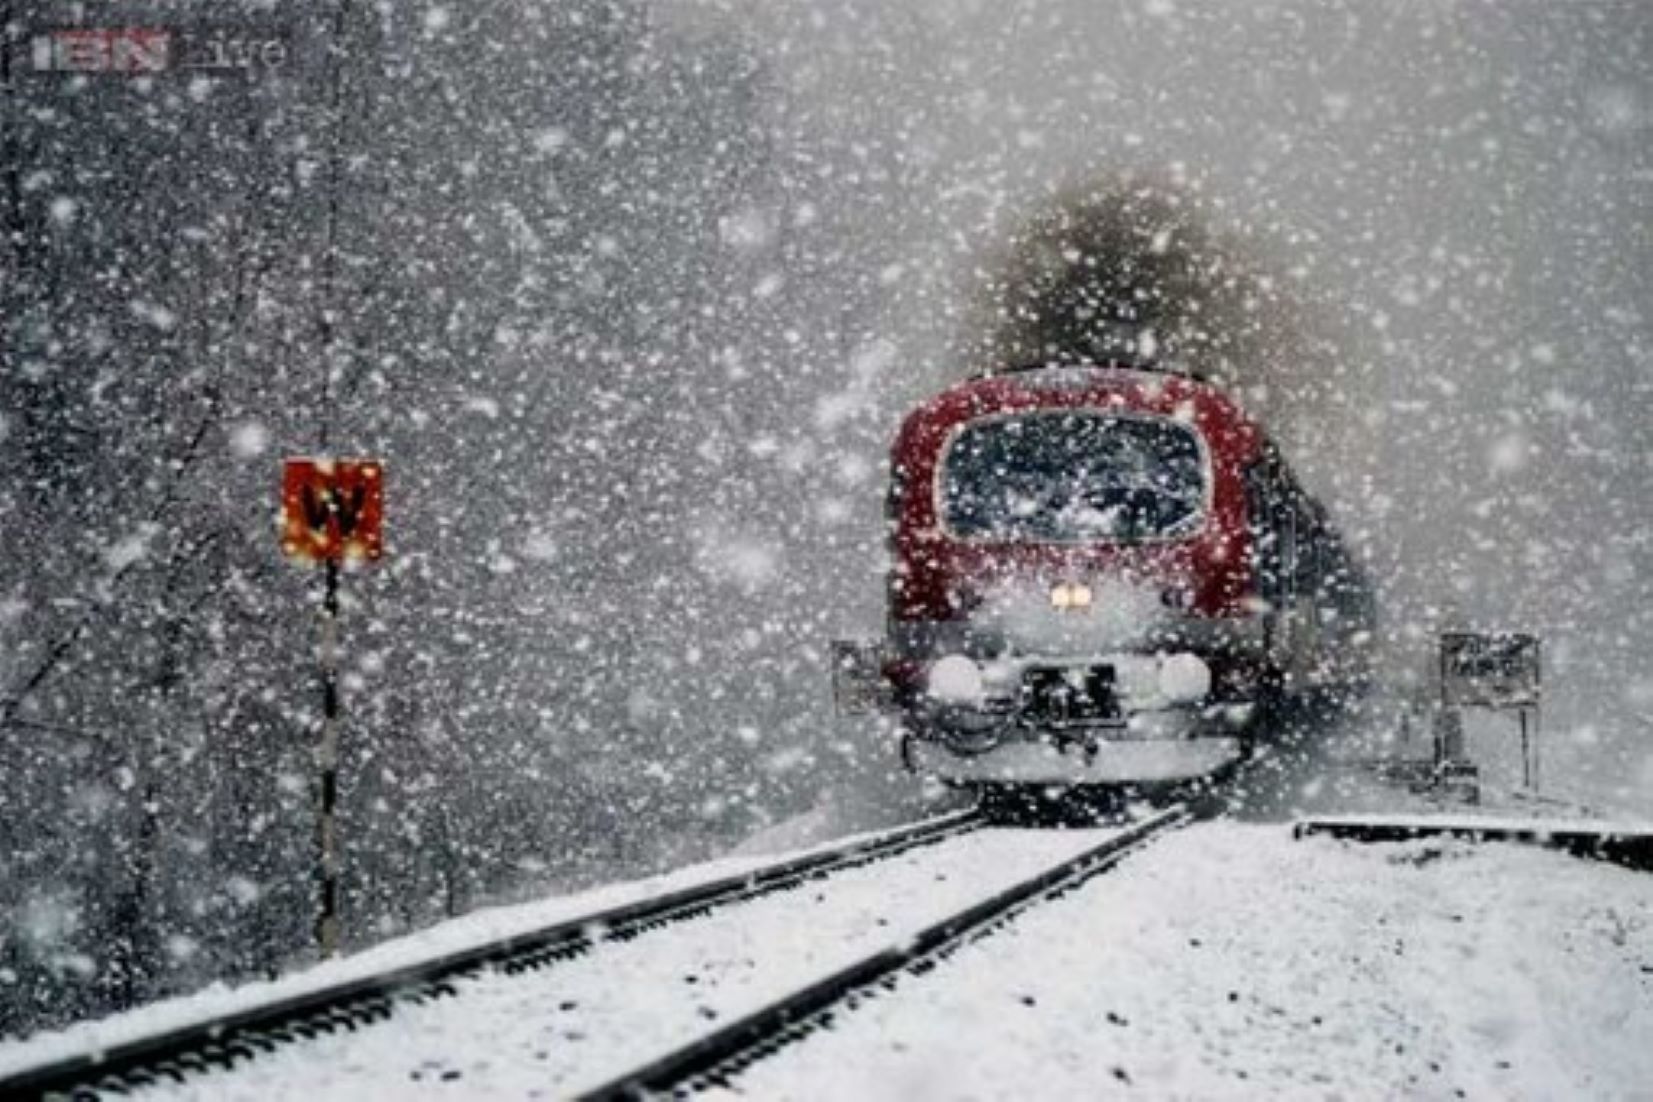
(1184, 678)
(955, 679)
(1071, 596)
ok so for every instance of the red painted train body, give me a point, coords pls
(1102, 575)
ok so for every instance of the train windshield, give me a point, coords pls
(1074, 477)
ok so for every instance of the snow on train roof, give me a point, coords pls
(1088, 370)
(1065, 375)
(1060, 376)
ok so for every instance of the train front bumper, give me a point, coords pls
(1109, 761)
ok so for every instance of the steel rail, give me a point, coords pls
(1630, 847)
(714, 1058)
(221, 1040)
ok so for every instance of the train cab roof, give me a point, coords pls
(1003, 390)
(1139, 367)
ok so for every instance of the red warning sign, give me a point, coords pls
(332, 509)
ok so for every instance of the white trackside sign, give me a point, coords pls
(1490, 670)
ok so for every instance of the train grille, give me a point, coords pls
(1071, 696)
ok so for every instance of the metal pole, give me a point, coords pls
(1537, 725)
(327, 763)
(1537, 711)
(1526, 751)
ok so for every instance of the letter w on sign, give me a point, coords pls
(332, 509)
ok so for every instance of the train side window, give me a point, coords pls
(1309, 540)
(1267, 534)
(1286, 523)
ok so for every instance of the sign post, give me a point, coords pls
(1500, 670)
(331, 510)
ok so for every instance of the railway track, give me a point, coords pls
(715, 1058)
(243, 1035)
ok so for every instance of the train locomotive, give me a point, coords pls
(1102, 575)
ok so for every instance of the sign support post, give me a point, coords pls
(331, 510)
(327, 920)
(1530, 760)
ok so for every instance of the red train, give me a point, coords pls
(1100, 575)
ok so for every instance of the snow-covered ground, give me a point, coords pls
(1230, 961)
